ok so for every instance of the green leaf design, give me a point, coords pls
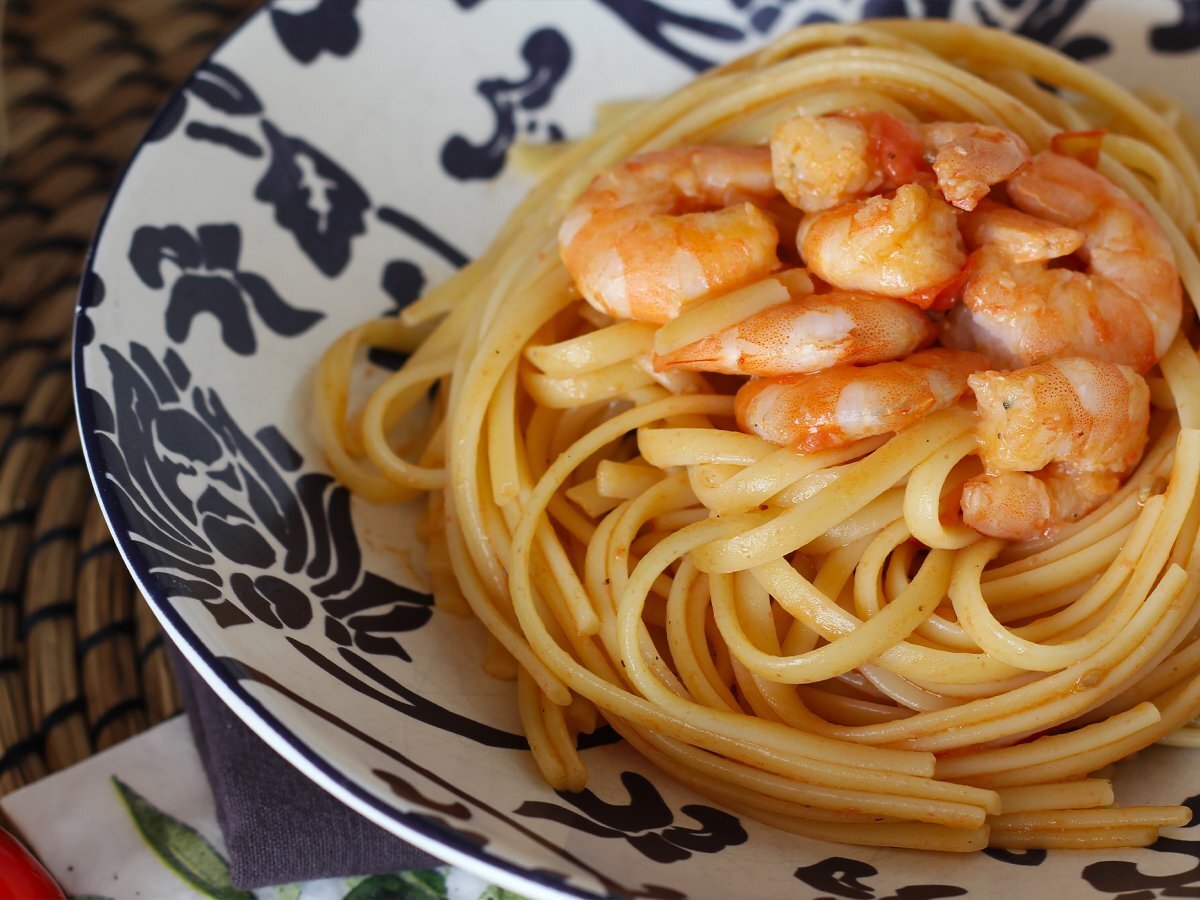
(288, 891)
(181, 848)
(433, 880)
(422, 884)
(495, 892)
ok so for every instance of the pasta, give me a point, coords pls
(808, 638)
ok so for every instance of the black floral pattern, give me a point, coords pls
(1182, 35)
(1017, 857)
(1128, 882)
(208, 281)
(1045, 21)
(224, 137)
(843, 877)
(223, 89)
(548, 56)
(91, 295)
(216, 85)
(196, 489)
(681, 31)
(888, 9)
(314, 198)
(328, 27)
(646, 821)
(658, 25)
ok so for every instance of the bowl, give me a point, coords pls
(327, 163)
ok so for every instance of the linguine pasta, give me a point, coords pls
(814, 640)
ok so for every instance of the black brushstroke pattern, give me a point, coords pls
(329, 27)
(91, 294)
(841, 876)
(645, 822)
(548, 56)
(374, 683)
(314, 198)
(1129, 882)
(195, 487)
(888, 9)
(1046, 21)
(656, 23)
(423, 234)
(224, 137)
(218, 87)
(168, 120)
(1017, 857)
(223, 89)
(210, 282)
(1181, 36)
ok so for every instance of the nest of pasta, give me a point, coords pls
(710, 451)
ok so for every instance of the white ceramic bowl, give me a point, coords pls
(325, 164)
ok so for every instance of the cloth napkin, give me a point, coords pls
(141, 824)
(278, 826)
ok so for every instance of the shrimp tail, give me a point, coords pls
(1015, 506)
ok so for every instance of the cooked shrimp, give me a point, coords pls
(664, 229)
(1021, 237)
(843, 404)
(807, 334)
(1056, 440)
(969, 159)
(906, 246)
(822, 162)
(1125, 307)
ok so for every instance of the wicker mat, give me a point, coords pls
(81, 659)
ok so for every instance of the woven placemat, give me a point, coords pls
(81, 659)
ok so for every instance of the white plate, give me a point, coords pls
(327, 162)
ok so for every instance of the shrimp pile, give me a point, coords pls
(943, 259)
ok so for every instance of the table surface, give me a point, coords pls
(81, 660)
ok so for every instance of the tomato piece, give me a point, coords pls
(21, 876)
(897, 147)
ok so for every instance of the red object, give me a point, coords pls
(1082, 146)
(896, 145)
(21, 877)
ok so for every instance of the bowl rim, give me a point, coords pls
(433, 837)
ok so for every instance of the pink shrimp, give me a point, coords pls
(667, 228)
(1125, 307)
(822, 162)
(807, 334)
(969, 159)
(840, 405)
(907, 246)
(1056, 440)
(1022, 237)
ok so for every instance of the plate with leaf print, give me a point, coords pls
(330, 161)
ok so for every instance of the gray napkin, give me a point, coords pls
(279, 827)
